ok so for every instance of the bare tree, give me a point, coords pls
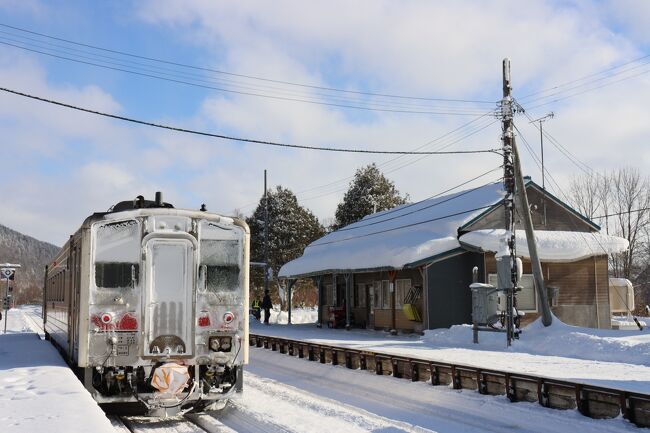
(630, 201)
(585, 194)
(621, 198)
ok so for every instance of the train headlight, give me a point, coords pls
(106, 318)
(220, 344)
(228, 317)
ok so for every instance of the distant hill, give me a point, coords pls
(33, 255)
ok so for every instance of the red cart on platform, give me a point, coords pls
(336, 317)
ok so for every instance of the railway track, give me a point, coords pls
(589, 400)
(229, 420)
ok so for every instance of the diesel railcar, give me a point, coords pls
(148, 304)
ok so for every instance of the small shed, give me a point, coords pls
(409, 268)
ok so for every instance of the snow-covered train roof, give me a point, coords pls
(416, 233)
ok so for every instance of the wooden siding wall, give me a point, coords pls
(557, 216)
(378, 318)
(578, 284)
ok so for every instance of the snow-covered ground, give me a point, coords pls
(38, 391)
(617, 359)
(298, 316)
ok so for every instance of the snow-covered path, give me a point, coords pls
(38, 393)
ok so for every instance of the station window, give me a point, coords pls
(377, 294)
(402, 288)
(385, 294)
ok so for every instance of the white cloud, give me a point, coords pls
(72, 164)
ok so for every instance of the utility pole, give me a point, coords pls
(514, 182)
(541, 121)
(507, 137)
(266, 237)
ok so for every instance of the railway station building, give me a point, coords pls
(409, 268)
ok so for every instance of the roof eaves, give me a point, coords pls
(341, 271)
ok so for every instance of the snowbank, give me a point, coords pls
(552, 246)
(559, 339)
(38, 391)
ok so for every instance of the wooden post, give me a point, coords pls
(290, 284)
(392, 275)
(348, 280)
(321, 297)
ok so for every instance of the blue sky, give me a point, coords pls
(66, 165)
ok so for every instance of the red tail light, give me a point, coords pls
(108, 322)
(228, 317)
(128, 322)
(204, 319)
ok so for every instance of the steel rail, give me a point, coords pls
(593, 401)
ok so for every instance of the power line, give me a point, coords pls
(261, 95)
(441, 146)
(400, 227)
(595, 74)
(246, 140)
(192, 79)
(622, 213)
(251, 77)
(404, 165)
(397, 209)
(390, 211)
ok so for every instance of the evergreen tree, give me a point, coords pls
(370, 191)
(291, 229)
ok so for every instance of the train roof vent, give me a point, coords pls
(141, 203)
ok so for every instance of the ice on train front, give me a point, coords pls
(167, 309)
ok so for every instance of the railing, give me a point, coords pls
(590, 400)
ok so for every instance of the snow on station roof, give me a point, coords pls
(552, 246)
(396, 238)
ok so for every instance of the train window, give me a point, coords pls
(222, 278)
(116, 275)
(118, 242)
(220, 252)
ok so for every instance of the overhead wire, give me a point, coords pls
(645, 60)
(446, 112)
(370, 221)
(240, 139)
(400, 227)
(403, 165)
(232, 74)
(212, 83)
(442, 142)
